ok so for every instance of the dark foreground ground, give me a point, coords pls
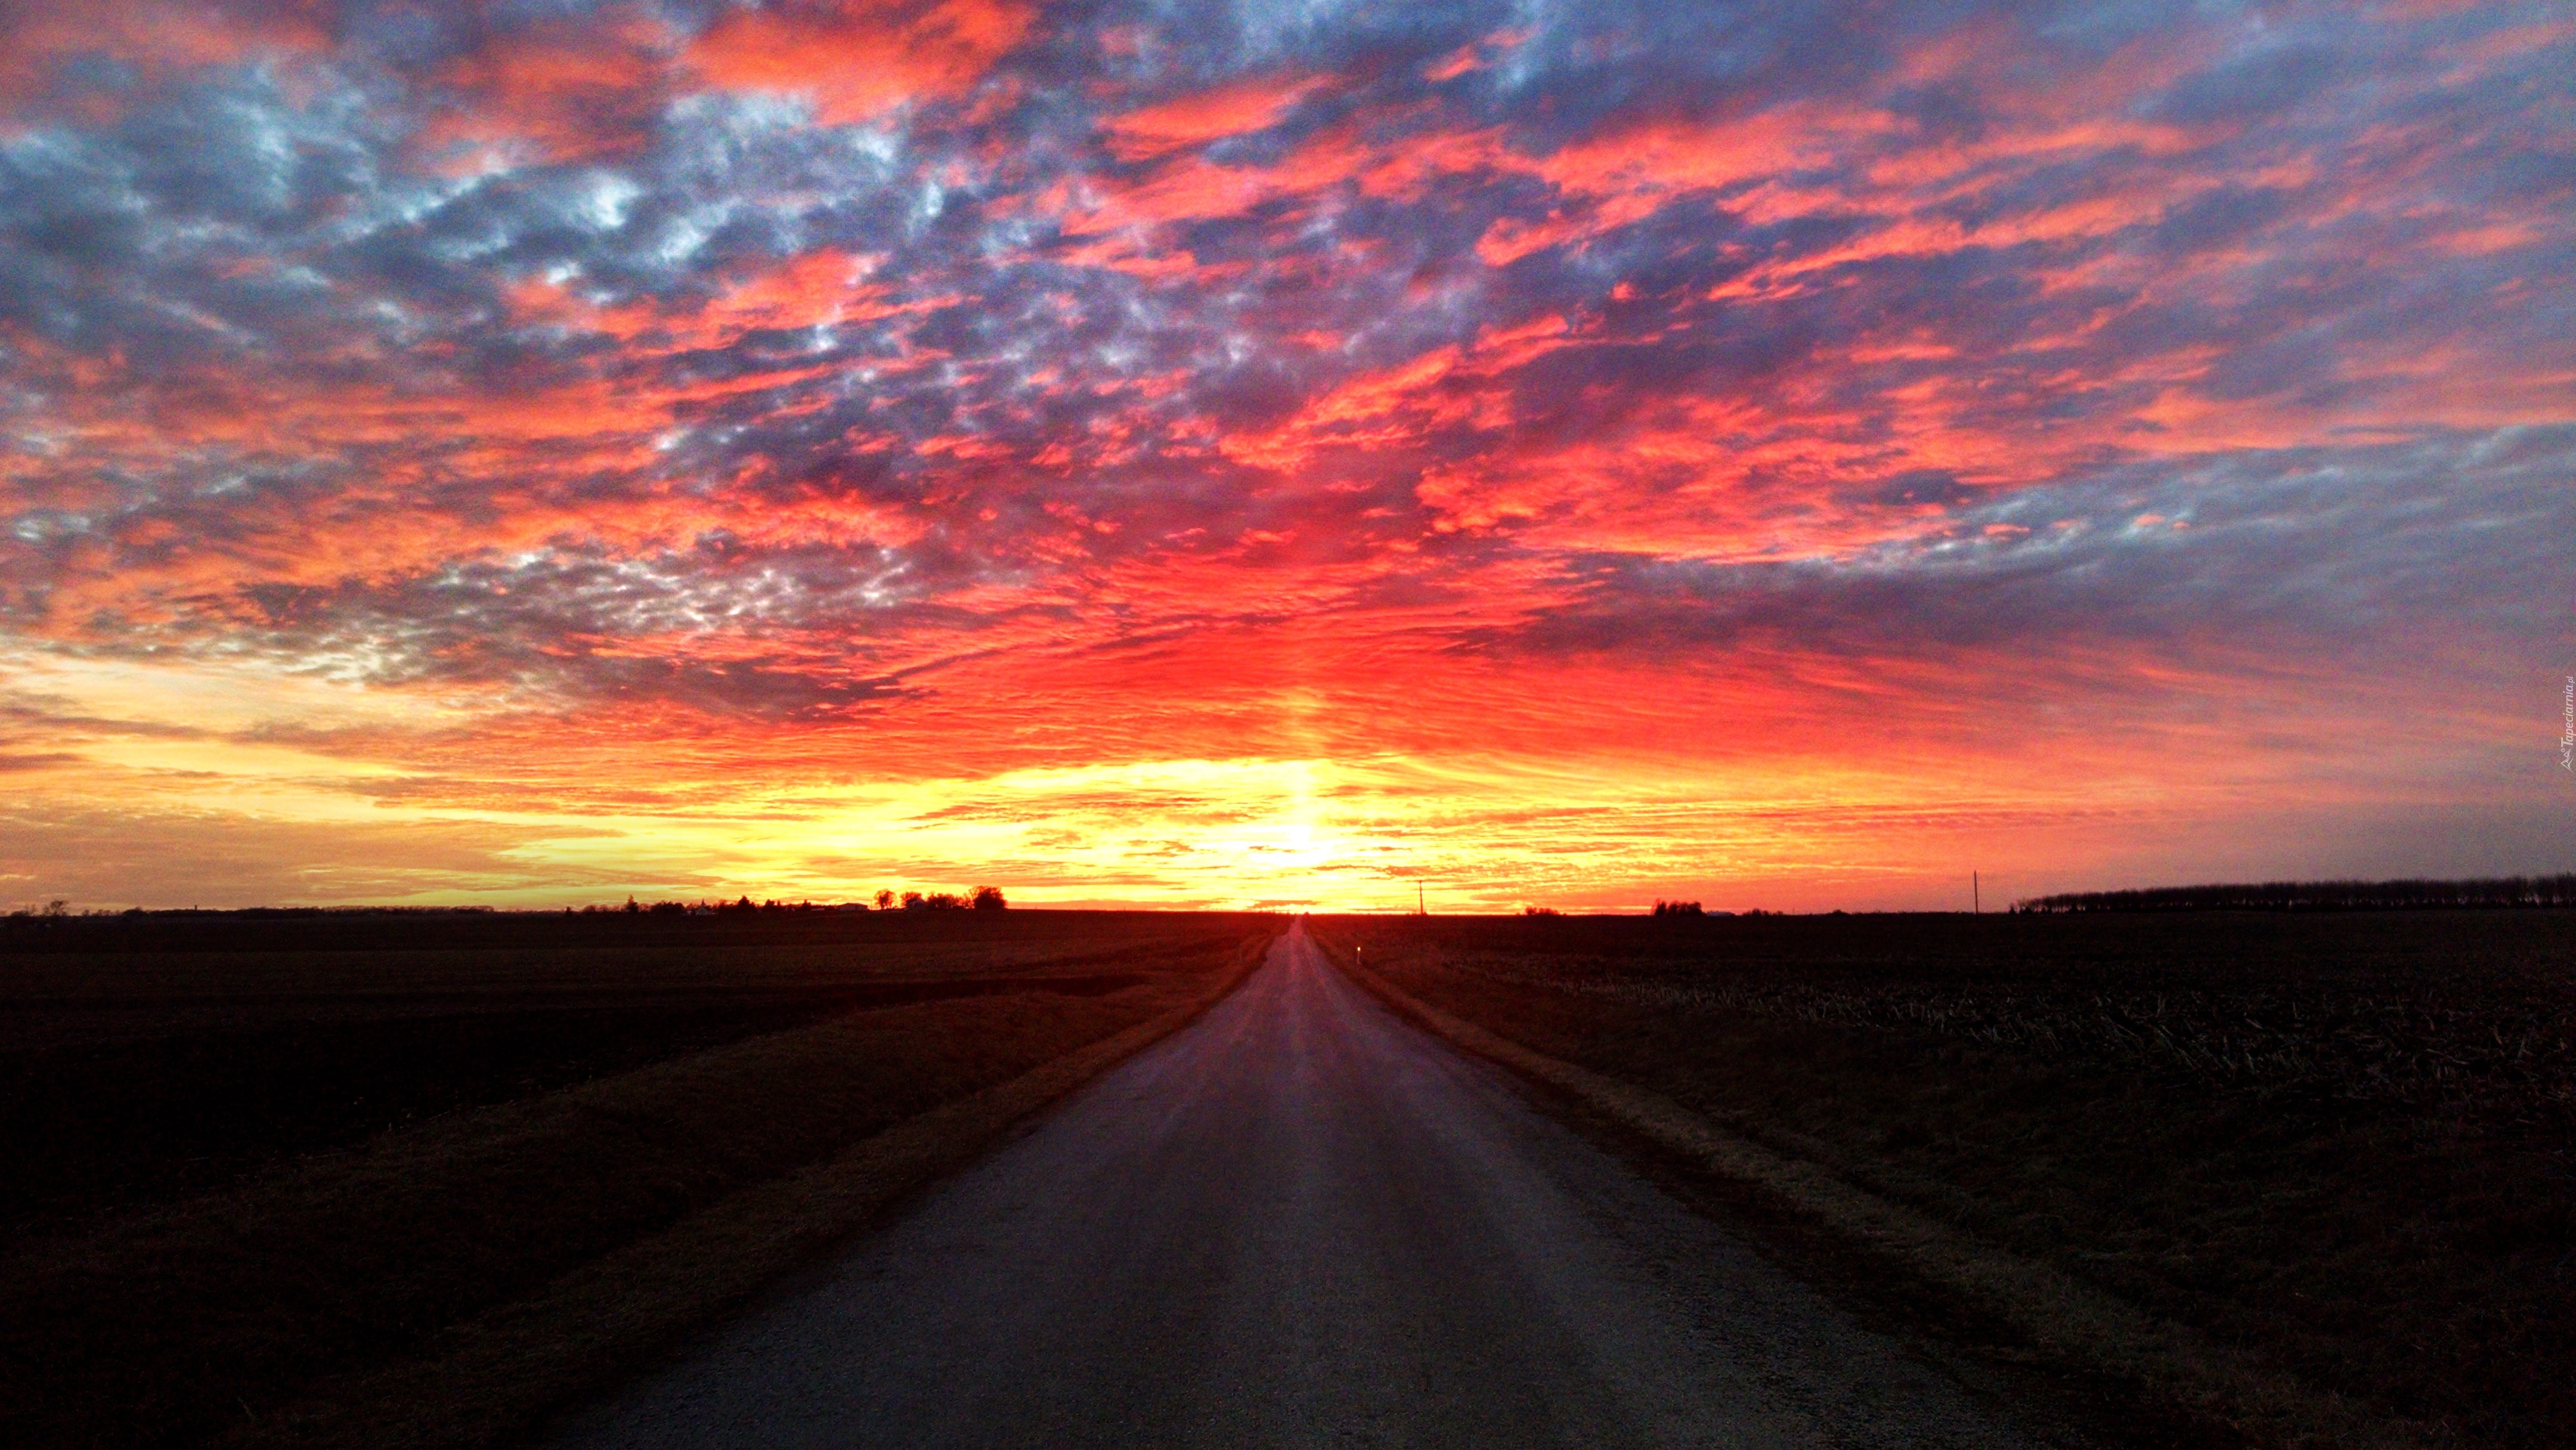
(397, 1181)
(1301, 1221)
(249, 1157)
(2336, 1145)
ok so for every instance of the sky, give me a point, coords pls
(1779, 455)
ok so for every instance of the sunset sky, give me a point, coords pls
(1781, 455)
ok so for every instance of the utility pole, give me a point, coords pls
(1976, 896)
(1421, 904)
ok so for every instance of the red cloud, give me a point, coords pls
(1473, 56)
(559, 91)
(1205, 116)
(855, 61)
(159, 38)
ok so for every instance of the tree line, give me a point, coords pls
(982, 898)
(2406, 895)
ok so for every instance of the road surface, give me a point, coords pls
(1301, 1221)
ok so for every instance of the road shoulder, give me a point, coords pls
(494, 1379)
(2108, 1371)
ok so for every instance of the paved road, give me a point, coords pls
(1300, 1222)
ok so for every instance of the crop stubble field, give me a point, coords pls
(2335, 1145)
(289, 1179)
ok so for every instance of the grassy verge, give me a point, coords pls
(2307, 1178)
(141, 1065)
(443, 1283)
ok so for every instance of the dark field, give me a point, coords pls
(140, 1061)
(253, 1156)
(2338, 1146)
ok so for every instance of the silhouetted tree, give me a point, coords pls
(915, 901)
(885, 901)
(1678, 908)
(989, 898)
